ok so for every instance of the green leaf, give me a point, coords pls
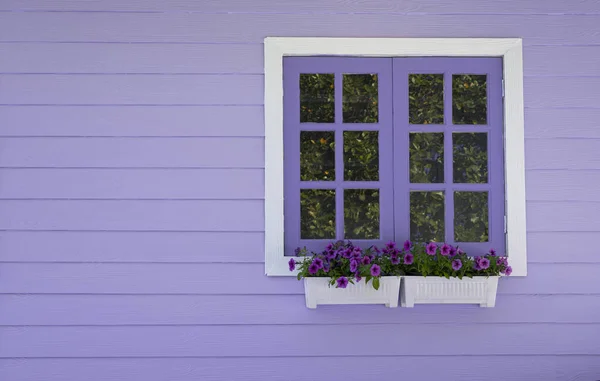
(376, 283)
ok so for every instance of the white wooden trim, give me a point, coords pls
(508, 48)
(514, 160)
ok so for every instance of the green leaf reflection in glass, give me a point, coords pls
(471, 216)
(317, 214)
(426, 98)
(469, 99)
(426, 157)
(361, 155)
(427, 216)
(470, 157)
(317, 155)
(361, 213)
(360, 103)
(317, 103)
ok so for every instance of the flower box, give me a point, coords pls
(438, 290)
(319, 291)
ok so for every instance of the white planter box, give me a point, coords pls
(437, 290)
(318, 291)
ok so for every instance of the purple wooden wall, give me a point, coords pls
(131, 211)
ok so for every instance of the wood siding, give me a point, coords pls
(132, 186)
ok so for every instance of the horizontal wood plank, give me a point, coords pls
(562, 123)
(225, 58)
(311, 6)
(227, 121)
(133, 121)
(563, 216)
(558, 247)
(102, 246)
(132, 183)
(545, 92)
(109, 310)
(144, 89)
(561, 60)
(132, 58)
(208, 247)
(215, 89)
(249, 278)
(284, 340)
(577, 154)
(189, 215)
(518, 368)
(108, 183)
(549, 185)
(140, 215)
(198, 27)
(138, 152)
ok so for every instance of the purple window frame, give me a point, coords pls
(394, 130)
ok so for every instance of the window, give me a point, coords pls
(379, 149)
(386, 146)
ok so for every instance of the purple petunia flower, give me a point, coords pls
(476, 263)
(409, 258)
(297, 251)
(452, 251)
(313, 268)
(394, 259)
(390, 245)
(502, 261)
(508, 271)
(376, 249)
(325, 268)
(292, 264)
(347, 253)
(342, 282)
(459, 251)
(407, 245)
(484, 263)
(329, 247)
(358, 277)
(375, 270)
(431, 248)
(492, 252)
(445, 250)
(353, 265)
(365, 260)
(318, 262)
(456, 264)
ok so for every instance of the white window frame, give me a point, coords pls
(511, 51)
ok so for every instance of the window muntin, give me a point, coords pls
(438, 129)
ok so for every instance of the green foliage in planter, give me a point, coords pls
(346, 263)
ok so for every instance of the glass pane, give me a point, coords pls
(361, 155)
(426, 98)
(361, 213)
(317, 155)
(317, 98)
(426, 157)
(427, 216)
(317, 214)
(360, 98)
(470, 157)
(469, 99)
(471, 216)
